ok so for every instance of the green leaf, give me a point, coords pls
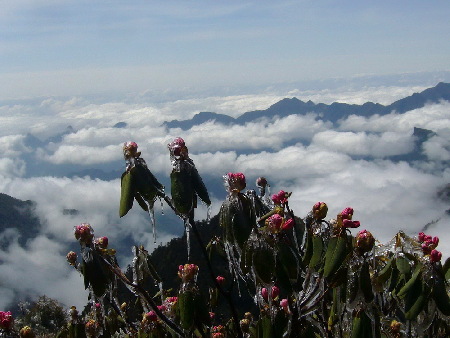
(440, 296)
(416, 275)
(366, 283)
(362, 326)
(335, 255)
(416, 299)
(187, 307)
(127, 193)
(403, 265)
(182, 192)
(317, 244)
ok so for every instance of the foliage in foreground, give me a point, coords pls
(307, 277)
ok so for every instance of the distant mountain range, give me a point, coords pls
(333, 112)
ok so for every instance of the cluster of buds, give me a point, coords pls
(130, 150)
(218, 331)
(84, 233)
(235, 182)
(281, 197)
(364, 241)
(395, 328)
(150, 316)
(273, 293)
(27, 332)
(276, 223)
(72, 258)
(102, 242)
(178, 148)
(6, 320)
(429, 245)
(344, 219)
(92, 328)
(168, 306)
(187, 272)
(320, 210)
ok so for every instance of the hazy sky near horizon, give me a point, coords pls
(50, 47)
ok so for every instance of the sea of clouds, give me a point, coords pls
(343, 165)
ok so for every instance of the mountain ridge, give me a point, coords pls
(332, 112)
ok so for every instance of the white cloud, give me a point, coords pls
(364, 144)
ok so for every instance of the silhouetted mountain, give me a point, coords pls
(120, 125)
(200, 118)
(333, 112)
(18, 216)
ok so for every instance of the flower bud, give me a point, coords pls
(187, 272)
(102, 242)
(350, 224)
(245, 325)
(347, 213)
(435, 256)
(6, 320)
(288, 224)
(261, 182)
(71, 257)
(320, 210)
(220, 280)
(26, 332)
(364, 241)
(395, 327)
(281, 197)
(421, 237)
(151, 316)
(129, 149)
(235, 182)
(275, 292)
(274, 223)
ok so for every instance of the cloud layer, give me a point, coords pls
(344, 165)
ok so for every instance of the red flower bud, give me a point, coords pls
(220, 280)
(288, 224)
(350, 224)
(435, 256)
(347, 213)
(320, 210)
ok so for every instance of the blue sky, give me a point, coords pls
(52, 47)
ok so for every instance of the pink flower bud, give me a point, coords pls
(261, 182)
(435, 241)
(421, 237)
(103, 242)
(350, 224)
(220, 280)
(212, 315)
(151, 316)
(284, 303)
(235, 181)
(162, 308)
(287, 225)
(6, 320)
(364, 241)
(71, 258)
(347, 213)
(274, 223)
(435, 256)
(275, 292)
(320, 210)
(280, 198)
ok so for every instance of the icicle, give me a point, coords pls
(187, 226)
(161, 291)
(151, 213)
(208, 214)
(162, 206)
